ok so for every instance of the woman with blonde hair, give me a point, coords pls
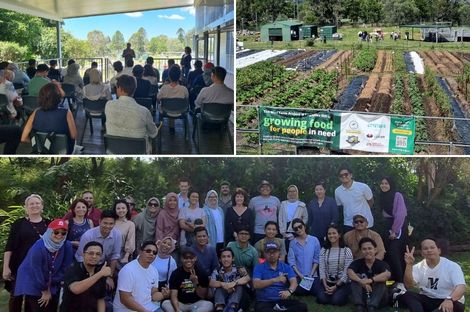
(24, 232)
(96, 89)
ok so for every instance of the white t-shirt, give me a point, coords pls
(354, 202)
(139, 281)
(440, 281)
(219, 224)
(291, 208)
(163, 269)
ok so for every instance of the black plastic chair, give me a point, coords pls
(48, 143)
(18, 85)
(147, 102)
(69, 90)
(213, 114)
(175, 108)
(30, 103)
(117, 145)
(93, 109)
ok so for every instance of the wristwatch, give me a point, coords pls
(290, 291)
(449, 298)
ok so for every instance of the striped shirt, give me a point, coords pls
(334, 262)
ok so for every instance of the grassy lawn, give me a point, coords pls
(350, 41)
(463, 258)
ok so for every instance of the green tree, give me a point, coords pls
(47, 46)
(399, 12)
(371, 11)
(158, 44)
(75, 48)
(118, 44)
(189, 36)
(351, 9)
(180, 32)
(99, 42)
(11, 51)
(26, 30)
(139, 41)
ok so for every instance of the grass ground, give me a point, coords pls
(350, 41)
(463, 258)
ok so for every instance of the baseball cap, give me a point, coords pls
(58, 224)
(271, 246)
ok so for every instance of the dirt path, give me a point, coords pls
(382, 100)
(337, 61)
(364, 100)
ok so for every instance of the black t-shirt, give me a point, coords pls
(86, 301)
(23, 234)
(180, 281)
(362, 270)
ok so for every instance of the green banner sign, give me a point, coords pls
(363, 132)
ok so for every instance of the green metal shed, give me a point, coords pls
(328, 31)
(307, 31)
(281, 31)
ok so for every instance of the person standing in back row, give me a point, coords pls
(265, 208)
(355, 197)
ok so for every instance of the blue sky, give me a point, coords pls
(158, 22)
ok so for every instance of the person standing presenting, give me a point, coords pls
(355, 197)
(128, 53)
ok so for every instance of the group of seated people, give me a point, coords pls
(124, 116)
(181, 257)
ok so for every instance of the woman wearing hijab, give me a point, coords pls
(42, 271)
(145, 222)
(291, 209)
(24, 232)
(215, 220)
(165, 263)
(73, 77)
(167, 221)
(395, 238)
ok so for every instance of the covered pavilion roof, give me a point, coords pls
(62, 9)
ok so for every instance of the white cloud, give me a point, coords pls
(191, 10)
(171, 17)
(135, 14)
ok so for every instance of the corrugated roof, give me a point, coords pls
(284, 23)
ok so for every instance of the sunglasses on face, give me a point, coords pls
(359, 221)
(153, 204)
(344, 175)
(298, 227)
(154, 252)
(57, 232)
(92, 253)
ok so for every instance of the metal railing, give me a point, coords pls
(450, 144)
(105, 64)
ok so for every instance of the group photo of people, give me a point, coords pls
(333, 241)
